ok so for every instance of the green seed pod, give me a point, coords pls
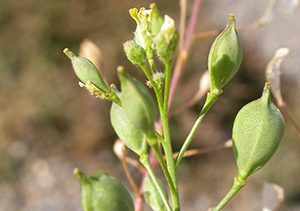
(132, 136)
(103, 192)
(135, 53)
(137, 103)
(225, 56)
(86, 71)
(257, 131)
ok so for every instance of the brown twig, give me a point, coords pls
(182, 21)
(194, 152)
(215, 32)
(183, 52)
(255, 25)
(128, 174)
(284, 109)
(204, 87)
(135, 164)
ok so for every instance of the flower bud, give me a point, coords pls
(166, 40)
(143, 28)
(156, 20)
(225, 56)
(132, 136)
(135, 53)
(137, 103)
(257, 131)
(86, 71)
(103, 192)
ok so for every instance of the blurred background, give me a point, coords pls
(49, 125)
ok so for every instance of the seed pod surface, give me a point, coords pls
(86, 71)
(132, 136)
(135, 53)
(103, 192)
(225, 56)
(137, 103)
(257, 131)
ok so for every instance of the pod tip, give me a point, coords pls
(80, 176)
(120, 69)
(76, 171)
(69, 53)
(231, 19)
(152, 6)
(267, 86)
(266, 91)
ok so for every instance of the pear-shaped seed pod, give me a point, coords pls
(103, 192)
(137, 103)
(257, 131)
(132, 136)
(135, 53)
(86, 71)
(225, 56)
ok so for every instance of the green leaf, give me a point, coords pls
(257, 131)
(132, 136)
(103, 192)
(152, 197)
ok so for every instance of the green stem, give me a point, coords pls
(167, 138)
(210, 99)
(163, 166)
(151, 61)
(167, 87)
(155, 88)
(148, 75)
(152, 65)
(163, 109)
(239, 182)
(145, 161)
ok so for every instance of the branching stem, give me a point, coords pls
(238, 184)
(210, 99)
(145, 161)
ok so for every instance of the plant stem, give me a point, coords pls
(145, 161)
(182, 20)
(167, 139)
(128, 174)
(183, 52)
(165, 124)
(215, 32)
(152, 65)
(166, 142)
(239, 182)
(285, 111)
(164, 167)
(194, 152)
(210, 99)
